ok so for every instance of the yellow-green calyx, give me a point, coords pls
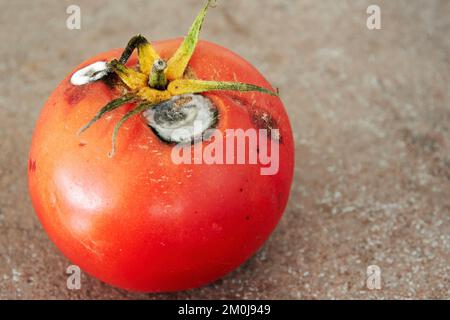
(157, 80)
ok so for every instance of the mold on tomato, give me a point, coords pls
(264, 120)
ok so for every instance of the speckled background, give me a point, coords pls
(371, 117)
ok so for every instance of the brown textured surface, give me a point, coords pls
(371, 117)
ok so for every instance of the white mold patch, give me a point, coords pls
(183, 118)
(90, 73)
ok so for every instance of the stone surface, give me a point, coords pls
(371, 116)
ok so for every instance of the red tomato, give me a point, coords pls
(137, 220)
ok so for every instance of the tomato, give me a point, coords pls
(138, 220)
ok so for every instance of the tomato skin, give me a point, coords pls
(137, 220)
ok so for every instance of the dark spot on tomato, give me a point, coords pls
(74, 94)
(262, 119)
(110, 80)
(239, 101)
(248, 217)
(241, 189)
(82, 144)
(32, 165)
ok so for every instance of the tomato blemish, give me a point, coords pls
(32, 165)
(264, 120)
(240, 102)
(110, 80)
(74, 95)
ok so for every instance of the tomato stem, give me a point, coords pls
(183, 86)
(114, 104)
(176, 66)
(146, 53)
(132, 78)
(157, 78)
